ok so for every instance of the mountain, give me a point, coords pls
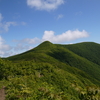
(53, 72)
(88, 50)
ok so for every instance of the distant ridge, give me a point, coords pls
(54, 71)
(84, 56)
(88, 50)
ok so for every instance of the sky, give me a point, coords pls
(24, 24)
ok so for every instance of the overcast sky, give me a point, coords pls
(26, 23)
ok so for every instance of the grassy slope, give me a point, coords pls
(88, 50)
(53, 67)
(80, 62)
(82, 56)
(32, 77)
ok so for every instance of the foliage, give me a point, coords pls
(53, 72)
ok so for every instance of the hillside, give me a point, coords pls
(88, 50)
(71, 55)
(53, 72)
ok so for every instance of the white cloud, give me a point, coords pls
(28, 43)
(4, 48)
(4, 26)
(25, 44)
(2, 45)
(20, 47)
(64, 37)
(45, 4)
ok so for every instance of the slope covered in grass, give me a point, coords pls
(71, 55)
(88, 50)
(52, 72)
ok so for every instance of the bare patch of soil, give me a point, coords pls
(2, 93)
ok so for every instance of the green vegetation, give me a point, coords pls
(53, 72)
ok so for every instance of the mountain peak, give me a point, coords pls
(45, 44)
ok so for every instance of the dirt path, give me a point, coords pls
(2, 93)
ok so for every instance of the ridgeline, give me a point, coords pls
(53, 72)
